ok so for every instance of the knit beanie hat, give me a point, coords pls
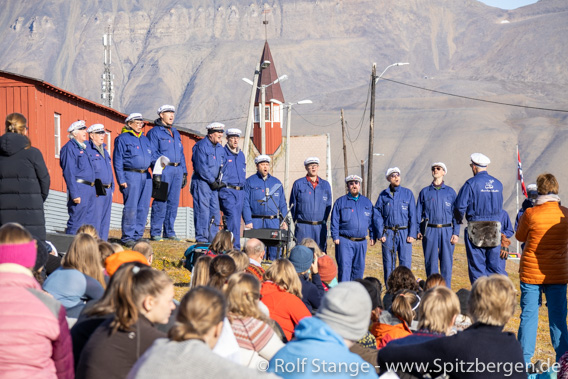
(23, 254)
(114, 261)
(327, 268)
(302, 258)
(346, 309)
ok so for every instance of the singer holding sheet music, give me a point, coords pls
(265, 202)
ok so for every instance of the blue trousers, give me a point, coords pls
(103, 206)
(205, 206)
(350, 257)
(164, 213)
(401, 248)
(437, 247)
(316, 232)
(556, 304)
(137, 196)
(82, 213)
(482, 261)
(231, 203)
(257, 223)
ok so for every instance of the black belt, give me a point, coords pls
(439, 225)
(310, 222)
(265, 217)
(85, 182)
(395, 228)
(353, 238)
(235, 188)
(173, 164)
(136, 170)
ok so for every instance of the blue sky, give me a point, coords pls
(508, 4)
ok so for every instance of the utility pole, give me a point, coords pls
(371, 132)
(250, 119)
(344, 147)
(362, 177)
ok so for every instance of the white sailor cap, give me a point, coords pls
(166, 108)
(96, 128)
(480, 160)
(353, 178)
(391, 170)
(261, 158)
(134, 116)
(439, 164)
(532, 188)
(233, 132)
(310, 160)
(77, 125)
(215, 127)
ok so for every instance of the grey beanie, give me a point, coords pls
(346, 308)
(302, 258)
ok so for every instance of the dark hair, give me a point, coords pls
(401, 278)
(379, 287)
(221, 267)
(372, 290)
(434, 280)
(222, 242)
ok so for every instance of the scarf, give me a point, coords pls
(541, 199)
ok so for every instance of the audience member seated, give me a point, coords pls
(200, 273)
(481, 351)
(255, 250)
(396, 322)
(434, 280)
(113, 262)
(328, 272)
(222, 243)
(34, 336)
(305, 262)
(90, 230)
(342, 319)
(143, 297)
(282, 294)
(257, 340)
(187, 353)
(106, 250)
(400, 279)
(145, 249)
(240, 258)
(79, 279)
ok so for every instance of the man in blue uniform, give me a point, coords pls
(208, 159)
(480, 200)
(232, 196)
(166, 141)
(532, 193)
(132, 157)
(435, 210)
(79, 175)
(395, 223)
(103, 172)
(264, 203)
(310, 205)
(351, 218)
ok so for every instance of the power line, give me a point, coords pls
(309, 122)
(209, 122)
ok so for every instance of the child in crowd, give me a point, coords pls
(240, 258)
(328, 272)
(400, 279)
(222, 243)
(305, 262)
(397, 322)
(200, 273)
(90, 230)
(434, 280)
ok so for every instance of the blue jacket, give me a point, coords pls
(235, 168)
(318, 351)
(76, 164)
(208, 159)
(437, 206)
(395, 209)
(255, 189)
(527, 203)
(131, 151)
(352, 218)
(506, 226)
(480, 199)
(166, 144)
(310, 204)
(101, 164)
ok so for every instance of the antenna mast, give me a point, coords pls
(107, 78)
(265, 22)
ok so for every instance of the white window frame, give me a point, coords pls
(256, 113)
(276, 113)
(57, 133)
(108, 141)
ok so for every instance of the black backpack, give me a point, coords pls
(193, 253)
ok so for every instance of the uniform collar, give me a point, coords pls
(126, 129)
(350, 197)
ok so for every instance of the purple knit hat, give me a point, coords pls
(24, 254)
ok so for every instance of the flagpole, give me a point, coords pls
(517, 187)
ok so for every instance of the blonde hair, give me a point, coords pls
(201, 309)
(90, 230)
(434, 280)
(84, 256)
(222, 242)
(17, 123)
(144, 248)
(243, 294)
(492, 300)
(240, 258)
(402, 305)
(106, 250)
(13, 233)
(200, 273)
(284, 275)
(438, 308)
(308, 242)
(117, 247)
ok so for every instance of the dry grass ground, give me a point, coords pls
(167, 256)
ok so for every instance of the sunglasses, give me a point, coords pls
(81, 128)
(437, 168)
(394, 175)
(102, 132)
(352, 183)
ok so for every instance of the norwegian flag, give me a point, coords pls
(520, 175)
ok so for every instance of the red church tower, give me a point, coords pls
(272, 111)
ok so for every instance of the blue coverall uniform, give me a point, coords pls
(480, 199)
(263, 214)
(311, 205)
(437, 205)
(395, 218)
(207, 158)
(351, 218)
(231, 198)
(508, 231)
(76, 165)
(167, 141)
(132, 157)
(103, 171)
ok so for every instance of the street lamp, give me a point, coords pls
(262, 89)
(392, 65)
(288, 122)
